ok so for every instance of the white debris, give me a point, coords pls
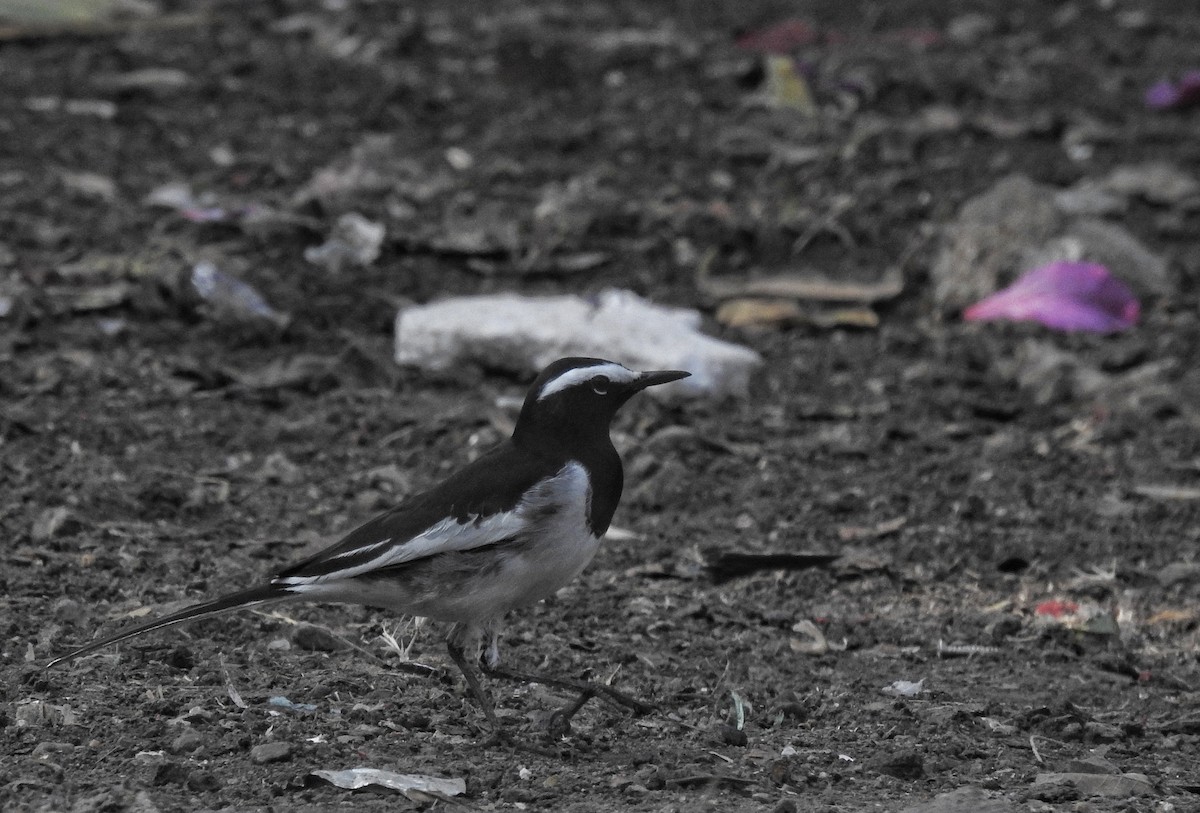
(523, 334)
(904, 688)
(411, 785)
(355, 240)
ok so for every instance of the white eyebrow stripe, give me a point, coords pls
(612, 371)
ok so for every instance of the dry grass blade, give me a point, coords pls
(808, 287)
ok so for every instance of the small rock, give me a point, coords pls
(39, 713)
(787, 770)
(983, 249)
(1091, 764)
(316, 639)
(975, 800)
(153, 80)
(1179, 572)
(903, 764)
(1051, 376)
(142, 803)
(90, 185)
(732, 735)
(203, 782)
(180, 657)
(68, 611)
(271, 752)
(197, 714)
(1157, 182)
(1093, 784)
(187, 742)
(1089, 197)
(46, 749)
(970, 28)
(392, 478)
(279, 468)
(1102, 732)
(169, 773)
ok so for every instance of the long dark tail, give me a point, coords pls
(225, 604)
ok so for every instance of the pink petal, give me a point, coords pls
(1063, 296)
(1056, 608)
(780, 38)
(1167, 95)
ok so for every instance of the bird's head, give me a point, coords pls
(578, 397)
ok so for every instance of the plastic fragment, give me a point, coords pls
(279, 701)
(522, 334)
(739, 710)
(417, 786)
(228, 293)
(904, 688)
(354, 241)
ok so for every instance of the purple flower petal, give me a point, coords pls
(1063, 296)
(1168, 95)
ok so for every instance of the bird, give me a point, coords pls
(505, 531)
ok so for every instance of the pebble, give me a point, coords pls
(203, 782)
(45, 749)
(316, 639)
(1092, 784)
(965, 798)
(731, 735)
(39, 713)
(187, 742)
(271, 752)
(68, 611)
(902, 764)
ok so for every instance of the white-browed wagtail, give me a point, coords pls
(503, 532)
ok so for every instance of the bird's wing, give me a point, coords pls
(479, 505)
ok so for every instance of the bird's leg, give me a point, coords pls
(491, 655)
(587, 689)
(470, 670)
(559, 725)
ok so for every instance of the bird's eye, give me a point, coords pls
(600, 385)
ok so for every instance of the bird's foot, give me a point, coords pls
(559, 724)
(587, 689)
(505, 738)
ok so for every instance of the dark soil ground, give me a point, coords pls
(155, 450)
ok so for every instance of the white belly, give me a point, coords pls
(555, 549)
(520, 558)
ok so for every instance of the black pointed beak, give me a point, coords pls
(656, 377)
